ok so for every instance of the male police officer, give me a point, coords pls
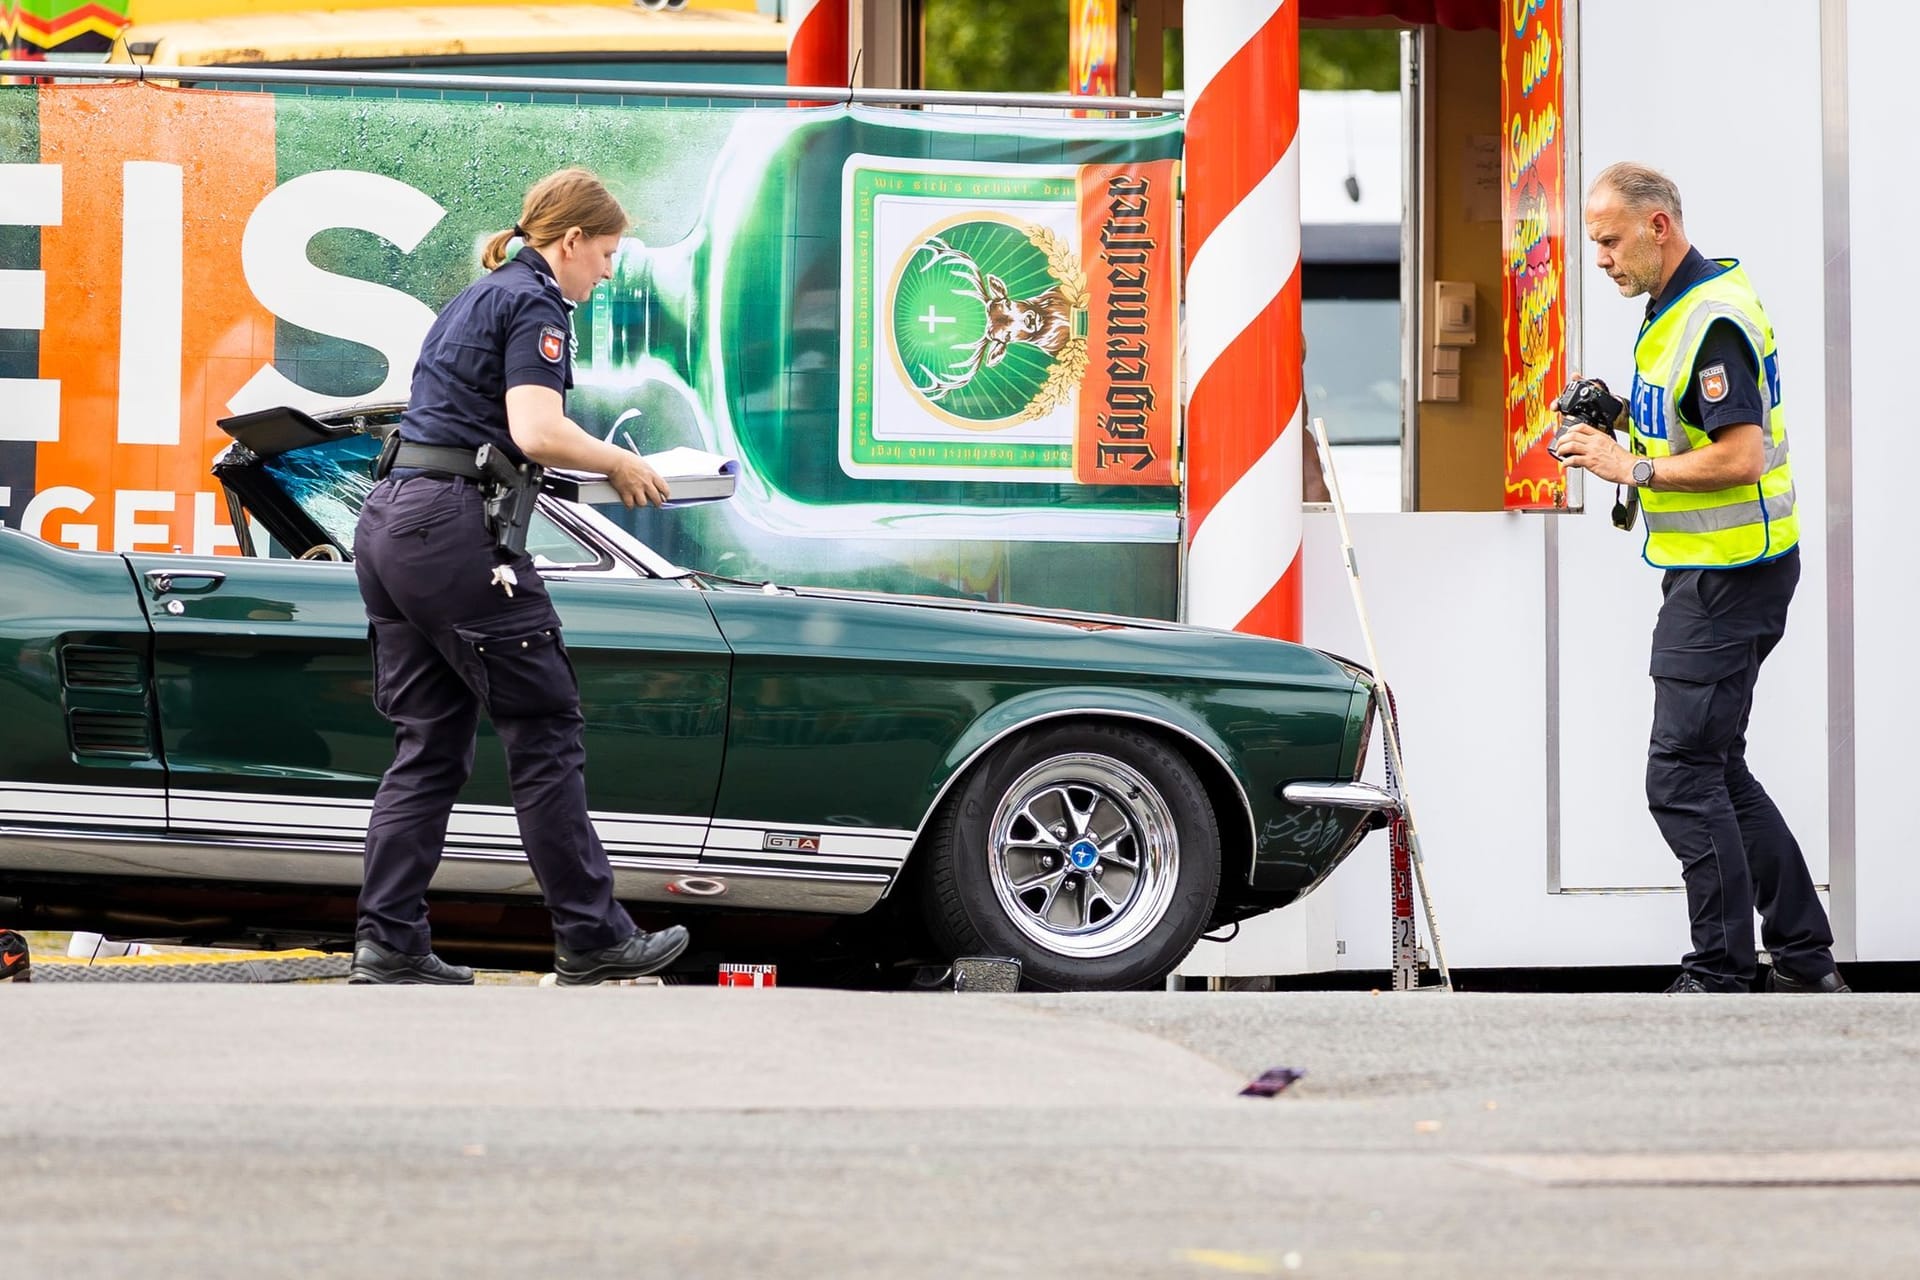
(1709, 461)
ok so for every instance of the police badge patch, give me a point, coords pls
(553, 341)
(1713, 383)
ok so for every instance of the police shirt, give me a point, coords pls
(1726, 362)
(510, 328)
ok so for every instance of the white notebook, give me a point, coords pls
(692, 475)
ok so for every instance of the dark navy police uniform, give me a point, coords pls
(449, 641)
(1716, 627)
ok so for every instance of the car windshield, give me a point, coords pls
(330, 482)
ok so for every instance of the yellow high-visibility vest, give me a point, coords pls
(1728, 527)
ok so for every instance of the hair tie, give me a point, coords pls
(520, 231)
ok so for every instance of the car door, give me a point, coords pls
(653, 674)
(263, 683)
(264, 688)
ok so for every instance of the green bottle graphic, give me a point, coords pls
(885, 323)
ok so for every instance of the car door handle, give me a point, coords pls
(161, 581)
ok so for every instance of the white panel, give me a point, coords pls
(1350, 133)
(1885, 191)
(152, 294)
(23, 299)
(1457, 607)
(1765, 91)
(29, 195)
(29, 409)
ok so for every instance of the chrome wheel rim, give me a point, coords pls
(1083, 854)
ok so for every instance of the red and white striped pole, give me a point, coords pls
(1243, 344)
(817, 45)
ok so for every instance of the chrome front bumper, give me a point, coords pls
(1340, 795)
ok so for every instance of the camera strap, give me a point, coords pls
(1626, 506)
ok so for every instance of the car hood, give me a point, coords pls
(1175, 635)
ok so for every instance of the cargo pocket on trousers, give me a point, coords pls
(522, 673)
(382, 679)
(1699, 698)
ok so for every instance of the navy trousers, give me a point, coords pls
(1736, 854)
(447, 642)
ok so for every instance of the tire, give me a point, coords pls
(1112, 902)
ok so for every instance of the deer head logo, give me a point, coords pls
(1044, 321)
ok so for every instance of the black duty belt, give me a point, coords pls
(445, 459)
(509, 490)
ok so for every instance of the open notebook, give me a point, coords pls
(692, 475)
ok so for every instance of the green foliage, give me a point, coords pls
(1349, 58)
(996, 46)
(1020, 46)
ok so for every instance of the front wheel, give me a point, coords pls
(1087, 851)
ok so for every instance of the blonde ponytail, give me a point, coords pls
(495, 252)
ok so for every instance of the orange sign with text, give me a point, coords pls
(150, 325)
(1534, 246)
(1128, 425)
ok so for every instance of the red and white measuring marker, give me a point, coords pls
(1409, 872)
(747, 975)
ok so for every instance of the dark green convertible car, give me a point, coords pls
(854, 782)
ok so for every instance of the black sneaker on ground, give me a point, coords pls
(638, 956)
(1688, 985)
(1829, 984)
(377, 963)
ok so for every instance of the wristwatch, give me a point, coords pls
(1643, 473)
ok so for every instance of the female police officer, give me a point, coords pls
(458, 624)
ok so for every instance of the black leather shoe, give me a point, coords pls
(1688, 985)
(375, 962)
(638, 956)
(1829, 984)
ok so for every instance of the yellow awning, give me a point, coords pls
(431, 31)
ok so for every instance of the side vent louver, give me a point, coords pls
(91, 667)
(110, 733)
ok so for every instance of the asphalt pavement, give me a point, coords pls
(316, 1131)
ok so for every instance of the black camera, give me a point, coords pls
(1584, 402)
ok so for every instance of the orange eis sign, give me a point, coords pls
(1533, 239)
(149, 326)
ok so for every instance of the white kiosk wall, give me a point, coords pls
(1885, 281)
(1724, 96)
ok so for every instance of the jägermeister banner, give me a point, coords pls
(942, 348)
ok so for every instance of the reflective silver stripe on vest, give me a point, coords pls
(1678, 441)
(1734, 515)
